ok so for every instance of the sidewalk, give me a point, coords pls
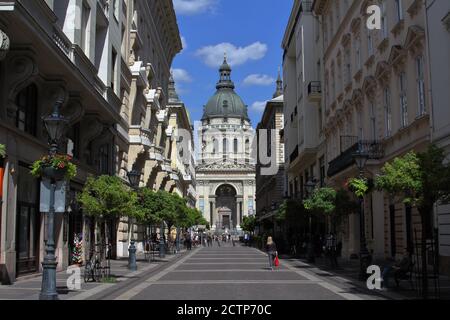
(28, 288)
(348, 271)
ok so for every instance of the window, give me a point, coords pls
(250, 206)
(236, 145)
(358, 53)
(387, 112)
(420, 86)
(369, 43)
(373, 120)
(384, 21)
(202, 205)
(360, 125)
(225, 146)
(322, 171)
(403, 100)
(399, 8)
(26, 115)
(113, 69)
(104, 159)
(215, 146)
(85, 18)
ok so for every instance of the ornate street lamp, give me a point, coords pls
(134, 177)
(162, 244)
(56, 125)
(310, 186)
(361, 157)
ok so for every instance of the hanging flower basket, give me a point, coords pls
(58, 167)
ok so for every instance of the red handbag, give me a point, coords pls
(277, 262)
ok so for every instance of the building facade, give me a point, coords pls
(151, 41)
(183, 150)
(110, 63)
(304, 128)
(438, 39)
(270, 175)
(376, 99)
(226, 166)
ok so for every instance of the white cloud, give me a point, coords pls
(181, 75)
(258, 80)
(213, 55)
(192, 7)
(184, 43)
(259, 106)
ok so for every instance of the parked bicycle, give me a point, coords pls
(98, 266)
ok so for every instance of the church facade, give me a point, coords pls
(226, 162)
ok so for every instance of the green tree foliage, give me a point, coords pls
(359, 186)
(322, 201)
(171, 208)
(422, 180)
(2, 151)
(108, 196)
(248, 224)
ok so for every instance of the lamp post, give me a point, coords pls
(162, 243)
(134, 178)
(361, 157)
(310, 186)
(56, 125)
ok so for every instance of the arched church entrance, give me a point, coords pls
(226, 208)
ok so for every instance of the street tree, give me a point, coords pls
(421, 180)
(107, 198)
(249, 224)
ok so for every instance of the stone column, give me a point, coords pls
(212, 205)
(239, 212)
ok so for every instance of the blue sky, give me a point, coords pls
(250, 31)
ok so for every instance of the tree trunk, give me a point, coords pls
(424, 212)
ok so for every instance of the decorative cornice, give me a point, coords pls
(225, 166)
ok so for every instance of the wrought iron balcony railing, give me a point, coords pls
(350, 145)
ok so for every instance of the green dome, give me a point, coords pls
(225, 102)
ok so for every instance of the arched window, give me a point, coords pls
(26, 115)
(215, 146)
(236, 144)
(247, 146)
(225, 146)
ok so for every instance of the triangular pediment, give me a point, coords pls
(382, 72)
(357, 97)
(414, 38)
(369, 86)
(397, 55)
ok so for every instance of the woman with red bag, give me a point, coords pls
(272, 252)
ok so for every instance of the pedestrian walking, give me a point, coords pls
(331, 250)
(272, 252)
(218, 240)
(188, 241)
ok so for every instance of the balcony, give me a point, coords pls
(350, 145)
(140, 136)
(156, 153)
(294, 155)
(314, 91)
